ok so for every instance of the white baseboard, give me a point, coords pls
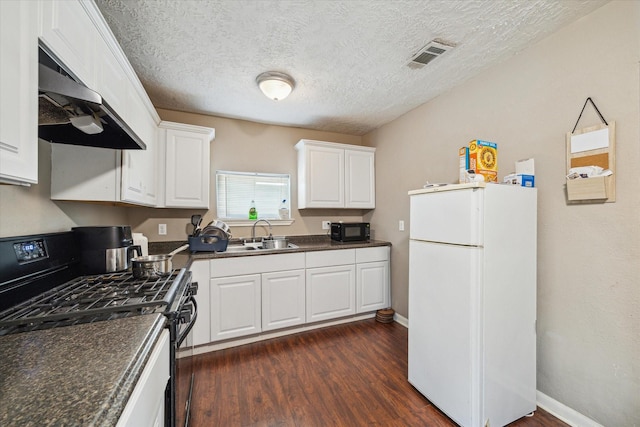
(563, 412)
(401, 319)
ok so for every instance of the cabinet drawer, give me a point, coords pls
(329, 258)
(380, 253)
(256, 264)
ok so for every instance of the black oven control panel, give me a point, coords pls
(31, 250)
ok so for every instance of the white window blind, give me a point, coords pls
(236, 190)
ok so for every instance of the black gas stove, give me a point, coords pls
(90, 299)
(42, 287)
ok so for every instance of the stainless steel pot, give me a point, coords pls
(154, 265)
(217, 224)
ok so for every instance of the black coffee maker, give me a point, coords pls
(105, 249)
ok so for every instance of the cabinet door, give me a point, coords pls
(360, 179)
(138, 117)
(68, 33)
(283, 299)
(19, 89)
(235, 306)
(322, 182)
(187, 169)
(330, 292)
(139, 175)
(111, 80)
(372, 286)
(201, 332)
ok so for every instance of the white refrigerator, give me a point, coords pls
(472, 301)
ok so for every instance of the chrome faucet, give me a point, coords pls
(253, 229)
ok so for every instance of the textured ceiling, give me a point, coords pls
(348, 58)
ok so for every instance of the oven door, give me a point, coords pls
(184, 376)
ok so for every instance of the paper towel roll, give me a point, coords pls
(141, 239)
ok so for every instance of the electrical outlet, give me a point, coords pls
(326, 225)
(401, 225)
(162, 229)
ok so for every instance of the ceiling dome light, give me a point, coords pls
(275, 85)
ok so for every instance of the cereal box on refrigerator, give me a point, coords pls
(483, 159)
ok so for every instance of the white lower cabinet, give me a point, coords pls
(331, 284)
(330, 292)
(283, 299)
(201, 331)
(145, 407)
(252, 294)
(372, 287)
(247, 295)
(372, 279)
(235, 306)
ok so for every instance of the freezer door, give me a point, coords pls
(448, 216)
(444, 328)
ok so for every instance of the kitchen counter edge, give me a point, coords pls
(303, 243)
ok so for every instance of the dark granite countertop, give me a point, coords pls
(79, 375)
(305, 244)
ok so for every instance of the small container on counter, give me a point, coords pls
(141, 240)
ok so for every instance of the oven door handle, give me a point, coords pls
(184, 333)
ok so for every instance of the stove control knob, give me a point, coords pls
(193, 288)
(185, 313)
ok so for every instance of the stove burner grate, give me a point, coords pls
(91, 298)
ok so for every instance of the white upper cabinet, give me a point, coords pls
(69, 35)
(111, 82)
(140, 174)
(360, 179)
(334, 175)
(186, 164)
(76, 34)
(19, 92)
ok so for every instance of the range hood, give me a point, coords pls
(71, 113)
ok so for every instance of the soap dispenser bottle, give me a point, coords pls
(253, 212)
(283, 211)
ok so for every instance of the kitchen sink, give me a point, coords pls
(256, 247)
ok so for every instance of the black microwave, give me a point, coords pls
(350, 231)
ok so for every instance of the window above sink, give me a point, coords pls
(235, 192)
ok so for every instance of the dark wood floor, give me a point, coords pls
(347, 375)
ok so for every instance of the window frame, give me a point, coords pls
(246, 221)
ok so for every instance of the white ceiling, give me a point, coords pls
(348, 58)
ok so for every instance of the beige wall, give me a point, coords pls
(249, 147)
(588, 256)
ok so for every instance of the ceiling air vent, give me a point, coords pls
(431, 51)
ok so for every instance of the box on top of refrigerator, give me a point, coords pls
(483, 159)
(463, 154)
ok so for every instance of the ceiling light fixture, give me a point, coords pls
(275, 85)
